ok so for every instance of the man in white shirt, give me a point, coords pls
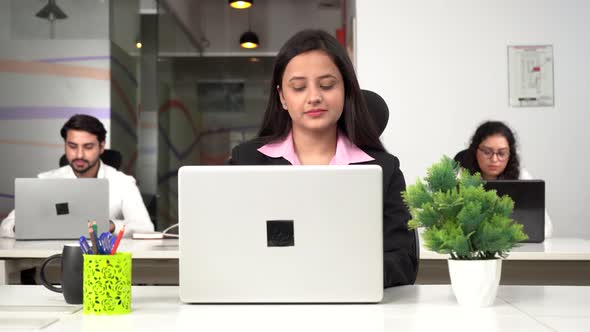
(84, 138)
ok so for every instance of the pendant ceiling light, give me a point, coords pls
(240, 4)
(249, 40)
(51, 12)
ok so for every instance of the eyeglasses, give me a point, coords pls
(489, 153)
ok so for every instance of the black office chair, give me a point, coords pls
(112, 158)
(380, 112)
(460, 156)
(378, 108)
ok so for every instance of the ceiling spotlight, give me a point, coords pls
(249, 40)
(240, 4)
(138, 44)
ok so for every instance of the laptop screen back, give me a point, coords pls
(47, 209)
(529, 204)
(281, 233)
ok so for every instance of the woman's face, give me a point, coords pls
(312, 91)
(493, 154)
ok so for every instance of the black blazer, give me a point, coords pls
(399, 244)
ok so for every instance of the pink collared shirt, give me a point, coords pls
(346, 152)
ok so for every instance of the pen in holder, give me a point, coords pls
(107, 284)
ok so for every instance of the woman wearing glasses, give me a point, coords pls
(492, 153)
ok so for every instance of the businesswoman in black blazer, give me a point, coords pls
(316, 115)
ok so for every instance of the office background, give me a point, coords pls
(442, 68)
(50, 71)
(187, 96)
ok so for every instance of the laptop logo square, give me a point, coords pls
(279, 233)
(62, 208)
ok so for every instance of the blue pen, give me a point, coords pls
(110, 238)
(105, 241)
(84, 246)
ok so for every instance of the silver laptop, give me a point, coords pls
(270, 234)
(51, 209)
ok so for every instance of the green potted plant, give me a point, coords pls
(460, 218)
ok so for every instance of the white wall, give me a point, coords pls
(442, 68)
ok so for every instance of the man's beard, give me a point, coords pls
(84, 170)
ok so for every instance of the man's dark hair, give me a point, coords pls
(86, 123)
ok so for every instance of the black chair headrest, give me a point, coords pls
(460, 156)
(112, 158)
(378, 108)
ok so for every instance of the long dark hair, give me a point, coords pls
(355, 122)
(485, 130)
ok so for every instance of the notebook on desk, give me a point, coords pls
(51, 209)
(280, 234)
(529, 204)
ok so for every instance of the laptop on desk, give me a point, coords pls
(529, 204)
(52, 209)
(280, 234)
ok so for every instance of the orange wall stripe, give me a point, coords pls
(55, 69)
(37, 144)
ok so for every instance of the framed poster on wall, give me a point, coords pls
(530, 75)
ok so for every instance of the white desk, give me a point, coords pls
(410, 308)
(552, 249)
(141, 249)
(565, 249)
(155, 261)
(556, 261)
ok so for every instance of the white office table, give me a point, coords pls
(556, 261)
(409, 308)
(155, 261)
(552, 249)
(141, 249)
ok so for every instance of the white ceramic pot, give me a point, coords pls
(475, 282)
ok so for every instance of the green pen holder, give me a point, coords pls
(107, 284)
